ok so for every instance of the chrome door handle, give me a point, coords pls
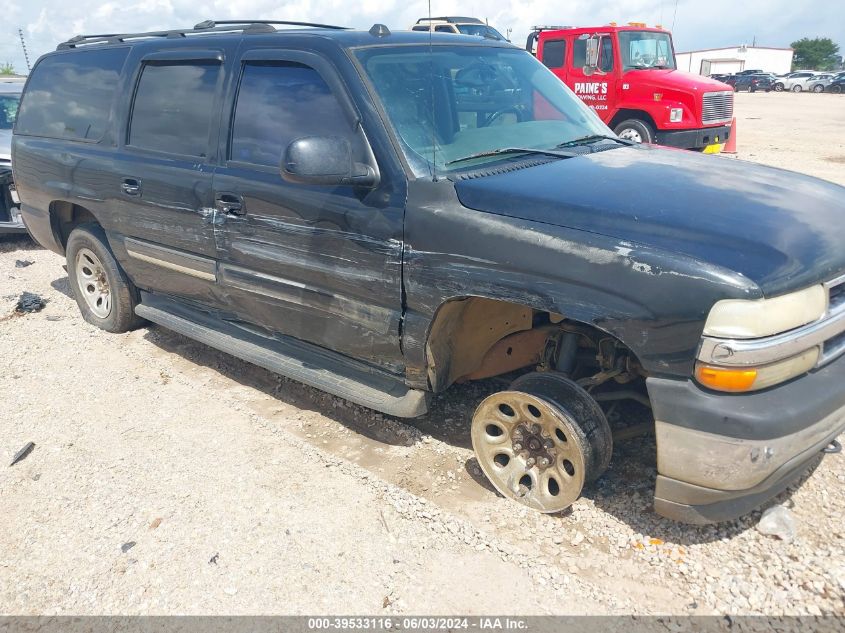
(229, 203)
(131, 186)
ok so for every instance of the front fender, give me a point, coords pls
(654, 302)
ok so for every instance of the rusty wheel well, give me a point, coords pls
(474, 338)
(66, 216)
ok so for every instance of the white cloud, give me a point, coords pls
(698, 24)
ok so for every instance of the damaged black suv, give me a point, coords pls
(382, 215)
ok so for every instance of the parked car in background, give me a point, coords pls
(819, 82)
(459, 25)
(10, 98)
(721, 77)
(837, 86)
(796, 82)
(756, 71)
(751, 83)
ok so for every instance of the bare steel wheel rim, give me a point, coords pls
(528, 450)
(630, 134)
(93, 283)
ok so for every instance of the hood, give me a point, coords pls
(5, 144)
(780, 229)
(675, 80)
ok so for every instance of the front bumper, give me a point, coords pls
(721, 455)
(693, 139)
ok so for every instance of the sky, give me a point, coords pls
(697, 23)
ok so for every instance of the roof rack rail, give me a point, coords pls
(207, 26)
(452, 19)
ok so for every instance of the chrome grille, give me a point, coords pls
(718, 107)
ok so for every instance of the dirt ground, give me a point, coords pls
(168, 478)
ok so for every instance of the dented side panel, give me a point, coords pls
(654, 302)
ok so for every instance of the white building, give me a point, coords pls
(735, 59)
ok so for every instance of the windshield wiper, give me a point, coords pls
(592, 138)
(512, 150)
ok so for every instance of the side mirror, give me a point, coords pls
(592, 58)
(325, 160)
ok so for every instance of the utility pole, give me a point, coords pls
(25, 53)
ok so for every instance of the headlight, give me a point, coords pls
(676, 114)
(739, 379)
(737, 318)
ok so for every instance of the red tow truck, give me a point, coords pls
(628, 75)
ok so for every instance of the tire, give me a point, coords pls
(778, 87)
(796, 88)
(635, 130)
(818, 88)
(105, 295)
(837, 90)
(581, 407)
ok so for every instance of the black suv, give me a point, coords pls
(383, 215)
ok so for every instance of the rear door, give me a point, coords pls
(164, 171)
(320, 263)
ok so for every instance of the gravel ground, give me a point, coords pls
(169, 478)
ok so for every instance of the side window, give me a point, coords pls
(554, 52)
(606, 55)
(278, 103)
(70, 94)
(173, 107)
(444, 29)
(579, 53)
(420, 28)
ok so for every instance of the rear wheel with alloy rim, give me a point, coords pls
(778, 87)
(105, 295)
(818, 88)
(796, 88)
(541, 441)
(635, 130)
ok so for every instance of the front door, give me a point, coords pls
(319, 263)
(598, 89)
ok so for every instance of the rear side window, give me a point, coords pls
(554, 52)
(278, 103)
(173, 108)
(69, 95)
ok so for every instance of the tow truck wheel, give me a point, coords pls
(635, 130)
(796, 88)
(541, 441)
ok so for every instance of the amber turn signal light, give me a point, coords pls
(725, 379)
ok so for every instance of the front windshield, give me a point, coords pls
(448, 102)
(8, 110)
(646, 49)
(482, 30)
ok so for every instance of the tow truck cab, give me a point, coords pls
(628, 76)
